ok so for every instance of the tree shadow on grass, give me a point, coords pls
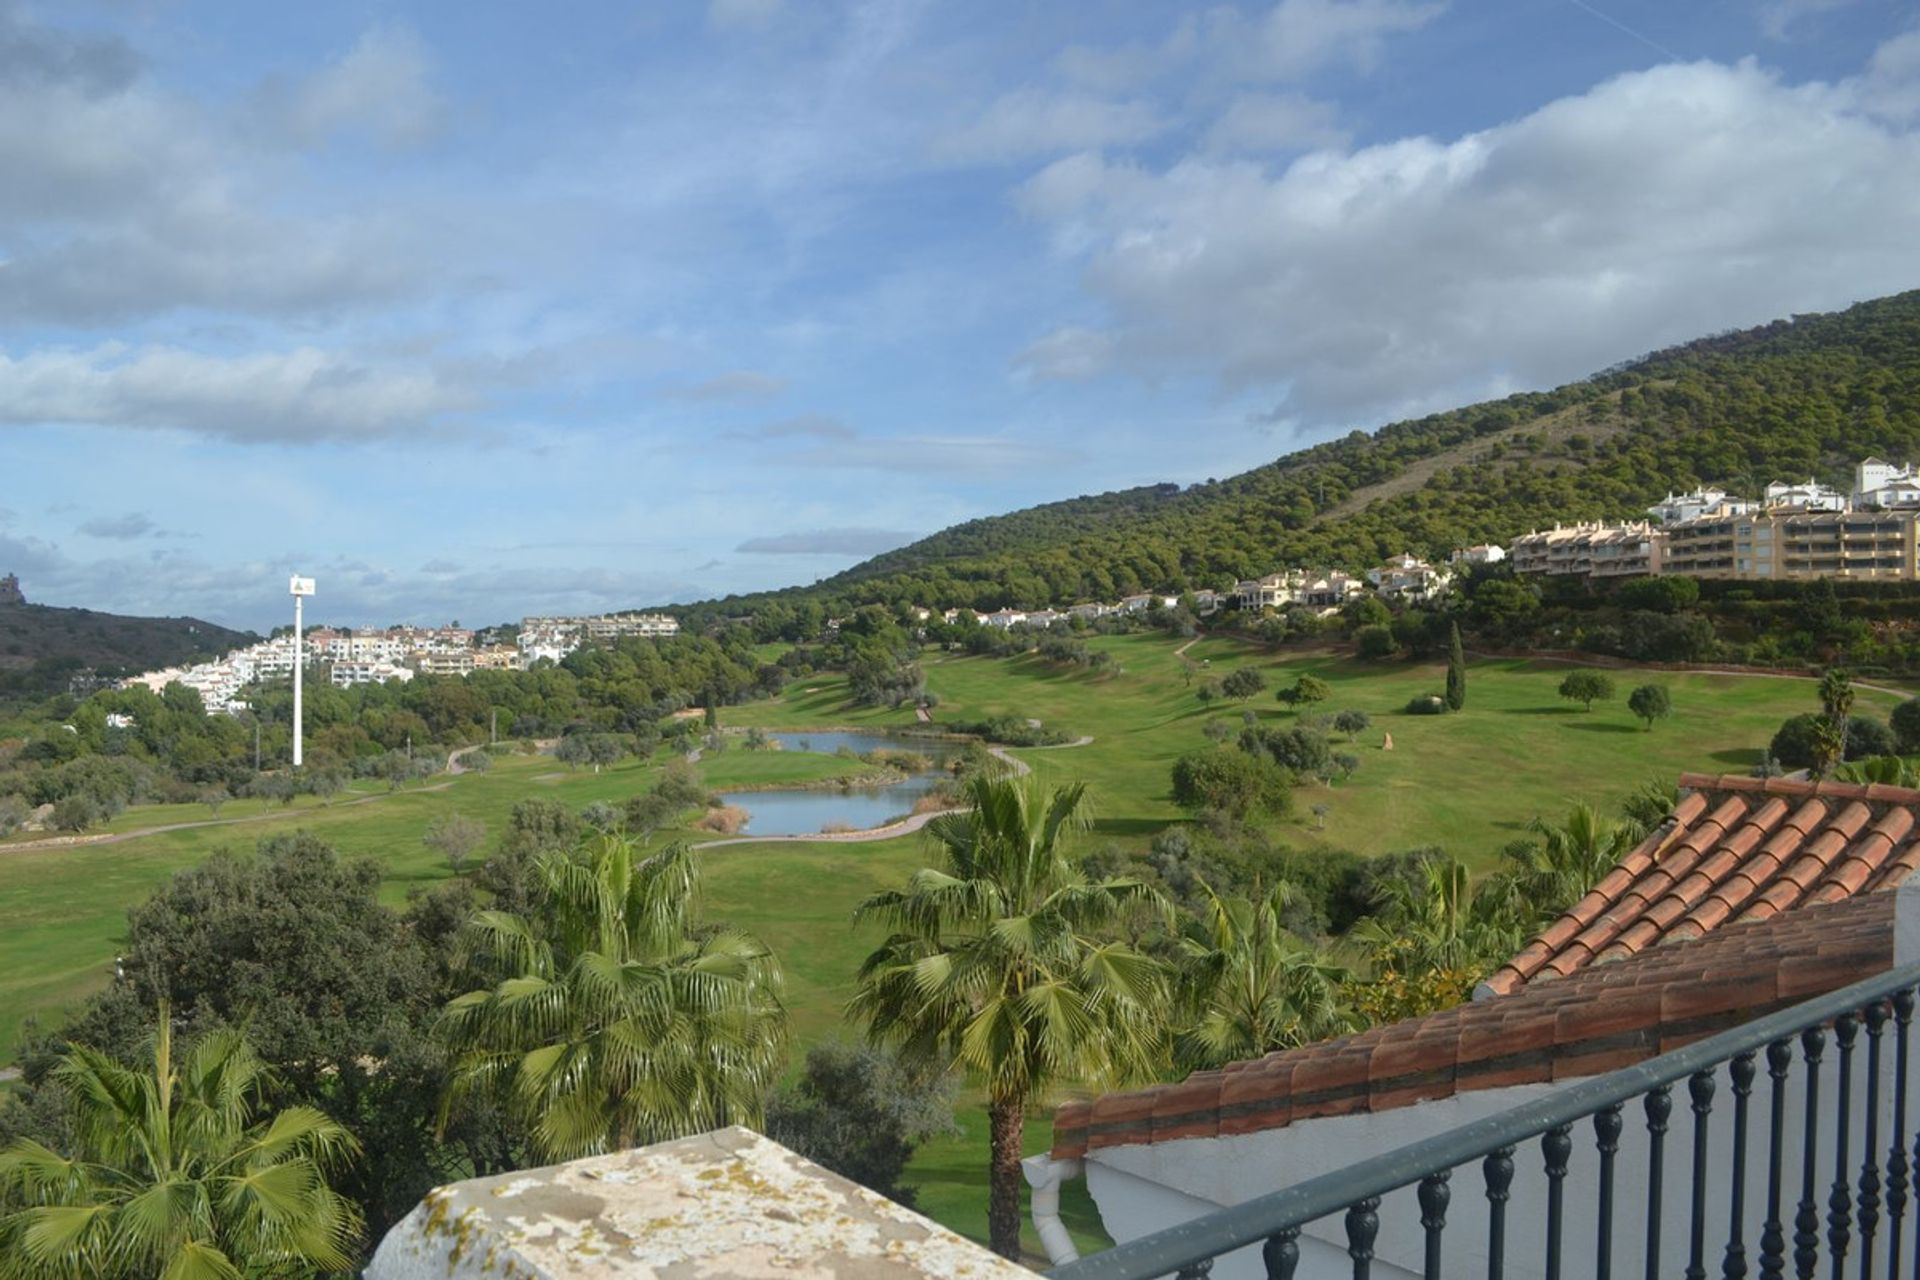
(1541, 711)
(1738, 755)
(1129, 826)
(1605, 726)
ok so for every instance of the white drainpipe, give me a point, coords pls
(1044, 1175)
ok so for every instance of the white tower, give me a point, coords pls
(300, 588)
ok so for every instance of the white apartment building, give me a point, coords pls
(1591, 550)
(1407, 577)
(1811, 496)
(1484, 553)
(369, 671)
(1695, 503)
(1879, 483)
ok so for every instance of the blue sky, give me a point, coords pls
(475, 310)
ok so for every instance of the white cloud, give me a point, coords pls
(1655, 207)
(1777, 17)
(736, 384)
(1070, 354)
(1275, 122)
(1891, 86)
(293, 397)
(380, 88)
(123, 528)
(826, 542)
(1299, 37)
(1288, 42)
(1032, 122)
(727, 15)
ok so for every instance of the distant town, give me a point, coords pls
(1794, 530)
(374, 656)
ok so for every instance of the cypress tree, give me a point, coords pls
(1456, 671)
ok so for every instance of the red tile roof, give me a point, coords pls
(1733, 850)
(1599, 1018)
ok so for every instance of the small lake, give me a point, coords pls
(805, 813)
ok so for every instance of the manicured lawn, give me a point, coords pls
(1468, 782)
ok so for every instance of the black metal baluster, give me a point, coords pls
(1659, 1106)
(1558, 1147)
(1434, 1195)
(1607, 1125)
(1897, 1151)
(1195, 1270)
(1498, 1171)
(1733, 1266)
(1700, 1089)
(1869, 1213)
(1281, 1253)
(1840, 1199)
(1806, 1220)
(1363, 1224)
(1773, 1238)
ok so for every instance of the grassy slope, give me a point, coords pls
(65, 907)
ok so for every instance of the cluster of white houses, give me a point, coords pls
(1793, 531)
(377, 655)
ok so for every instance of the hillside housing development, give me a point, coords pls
(1795, 531)
(377, 655)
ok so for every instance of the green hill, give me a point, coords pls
(43, 648)
(1798, 397)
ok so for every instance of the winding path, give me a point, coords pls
(904, 827)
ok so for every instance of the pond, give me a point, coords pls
(805, 813)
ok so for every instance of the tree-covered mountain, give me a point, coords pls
(1801, 397)
(42, 648)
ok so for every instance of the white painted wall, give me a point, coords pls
(1141, 1189)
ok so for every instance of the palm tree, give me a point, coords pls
(1003, 961)
(172, 1176)
(1252, 986)
(1551, 873)
(1433, 919)
(617, 1018)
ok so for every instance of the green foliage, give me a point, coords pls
(1006, 963)
(1905, 722)
(1249, 987)
(1426, 704)
(1243, 683)
(177, 1170)
(1650, 702)
(1456, 695)
(859, 1111)
(1661, 594)
(1231, 781)
(1305, 692)
(1586, 687)
(616, 1017)
(1375, 642)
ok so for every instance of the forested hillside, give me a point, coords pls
(42, 648)
(1799, 397)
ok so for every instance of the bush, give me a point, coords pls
(476, 761)
(1650, 702)
(1427, 704)
(1375, 642)
(1586, 688)
(1232, 782)
(1302, 749)
(76, 813)
(857, 1111)
(1792, 745)
(1351, 722)
(1906, 725)
(1243, 683)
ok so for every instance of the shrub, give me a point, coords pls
(1906, 725)
(1351, 722)
(1650, 702)
(1427, 704)
(1586, 688)
(1232, 782)
(1375, 642)
(857, 1111)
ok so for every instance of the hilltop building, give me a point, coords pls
(1811, 496)
(1875, 545)
(1591, 550)
(1409, 578)
(1482, 553)
(10, 592)
(1878, 483)
(1675, 508)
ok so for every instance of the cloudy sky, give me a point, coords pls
(470, 311)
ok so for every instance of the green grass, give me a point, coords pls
(1468, 782)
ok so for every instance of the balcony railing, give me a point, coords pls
(1865, 1190)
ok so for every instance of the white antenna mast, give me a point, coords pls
(299, 588)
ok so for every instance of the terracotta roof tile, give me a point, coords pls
(1599, 1018)
(1733, 850)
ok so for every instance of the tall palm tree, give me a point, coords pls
(617, 1019)
(1436, 919)
(1004, 961)
(174, 1177)
(1253, 987)
(1553, 871)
